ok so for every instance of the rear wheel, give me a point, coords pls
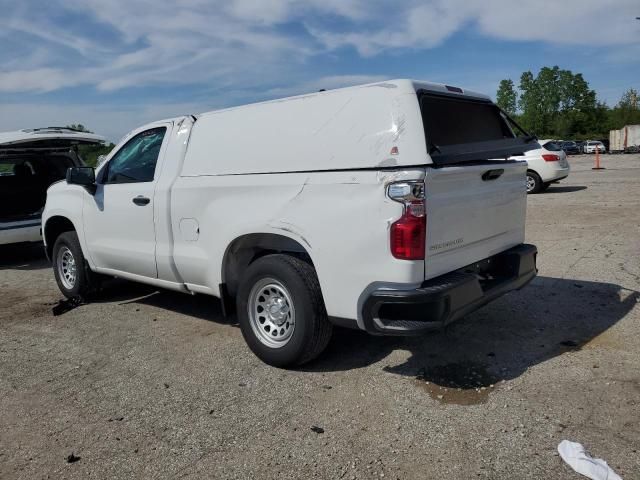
(545, 186)
(281, 311)
(72, 275)
(534, 183)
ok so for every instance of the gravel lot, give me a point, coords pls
(154, 384)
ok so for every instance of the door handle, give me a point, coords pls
(492, 174)
(141, 201)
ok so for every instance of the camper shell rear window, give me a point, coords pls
(462, 129)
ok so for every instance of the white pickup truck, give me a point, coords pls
(390, 207)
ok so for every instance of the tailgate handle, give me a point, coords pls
(492, 174)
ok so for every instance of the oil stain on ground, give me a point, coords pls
(463, 383)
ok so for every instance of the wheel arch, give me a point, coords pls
(53, 228)
(245, 249)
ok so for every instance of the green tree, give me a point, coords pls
(529, 102)
(629, 100)
(548, 91)
(627, 111)
(90, 153)
(558, 103)
(506, 97)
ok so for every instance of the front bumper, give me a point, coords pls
(442, 300)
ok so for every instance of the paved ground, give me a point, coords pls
(151, 384)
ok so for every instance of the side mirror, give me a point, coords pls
(83, 176)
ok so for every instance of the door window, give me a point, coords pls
(136, 160)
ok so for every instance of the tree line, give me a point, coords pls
(557, 103)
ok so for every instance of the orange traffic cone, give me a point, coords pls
(598, 167)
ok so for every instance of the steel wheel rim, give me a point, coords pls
(67, 268)
(271, 313)
(531, 183)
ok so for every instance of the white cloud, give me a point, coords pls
(247, 42)
(425, 24)
(236, 50)
(35, 79)
(112, 122)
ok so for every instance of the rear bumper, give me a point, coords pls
(555, 174)
(442, 300)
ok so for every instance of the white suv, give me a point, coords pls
(592, 146)
(30, 161)
(546, 165)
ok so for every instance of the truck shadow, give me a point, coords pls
(499, 342)
(469, 359)
(23, 256)
(203, 307)
(566, 188)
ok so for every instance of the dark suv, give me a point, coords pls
(570, 148)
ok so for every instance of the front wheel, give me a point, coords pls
(281, 312)
(73, 277)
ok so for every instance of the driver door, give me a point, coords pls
(118, 221)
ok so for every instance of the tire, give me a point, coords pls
(294, 328)
(545, 186)
(73, 276)
(534, 183)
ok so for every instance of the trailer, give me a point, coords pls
(631, 139)
(616, 141)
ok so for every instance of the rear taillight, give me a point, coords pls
(408, 233)
(549, 157)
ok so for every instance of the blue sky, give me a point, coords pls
(113, 65)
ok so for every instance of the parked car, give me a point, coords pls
(570, 148)
(591, 146)
(580, 146)
(607, 145)
(380, 207)
(546, 165)
(30, 161)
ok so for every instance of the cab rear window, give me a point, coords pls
(462, 129)
(453, 121)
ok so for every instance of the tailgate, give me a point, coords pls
(474, 211)
(475, 202)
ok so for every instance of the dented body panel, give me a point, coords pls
(341, 218)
